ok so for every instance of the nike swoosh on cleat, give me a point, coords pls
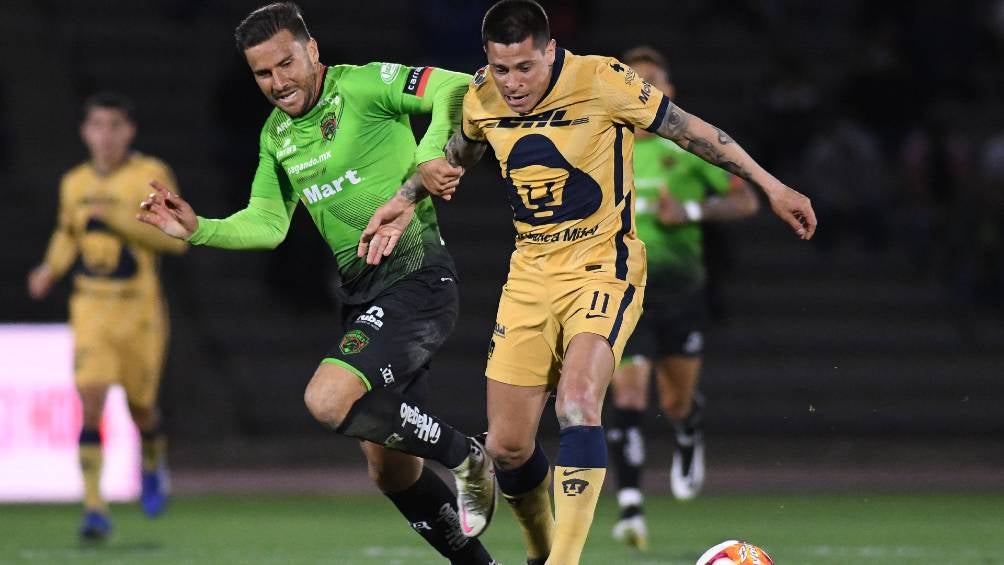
(463, 522)
(572, 472)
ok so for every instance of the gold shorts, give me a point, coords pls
(119, 341)
(540, 313)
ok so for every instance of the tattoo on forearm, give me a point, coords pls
(677, 125)
(412, 189)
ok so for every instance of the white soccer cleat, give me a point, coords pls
(632, 531)
(686, 478)
(476, 491)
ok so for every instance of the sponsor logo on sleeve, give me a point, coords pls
(480, 76)
(646, 92)
(416, 81)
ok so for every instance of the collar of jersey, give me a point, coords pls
(559, 62)
(316, 109)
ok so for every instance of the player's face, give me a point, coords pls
(286, 71)
(522, 71)
(107, 133)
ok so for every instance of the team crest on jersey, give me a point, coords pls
(329, 126)
(480, 76)
(354, 342)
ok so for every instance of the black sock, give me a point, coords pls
(692, 423)
(389, 419)
(431, 508)
(627, 449)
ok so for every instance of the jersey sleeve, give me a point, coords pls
(62, 250)
(393, 90)
(264, 222)
(470, 128)
(630, 99)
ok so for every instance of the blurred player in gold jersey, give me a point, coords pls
(561, 126)
(117, 312)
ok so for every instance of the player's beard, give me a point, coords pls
(311, 93)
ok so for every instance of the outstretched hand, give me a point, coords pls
(385, 229)
(794, 208)
(168, 212)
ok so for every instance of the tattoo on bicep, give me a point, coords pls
(460, 152)
(674, 123)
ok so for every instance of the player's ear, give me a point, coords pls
(549, 50)
(312, 51)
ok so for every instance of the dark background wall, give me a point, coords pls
(888, 114)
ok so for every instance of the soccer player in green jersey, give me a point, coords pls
(340, 142)
(676, 191)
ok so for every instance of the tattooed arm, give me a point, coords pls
(716, 147)
(440, 177)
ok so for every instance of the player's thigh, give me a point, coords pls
(390, 341)
(332, 391)
(630, 384)
(524, 344)
(513, 418)
(392, 471)
(142, 355)
(96, 361)
(606, 307)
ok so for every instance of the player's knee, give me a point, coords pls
(326, 408)
(676, 408)
(145, 417)
(509, 452)
(577, 406)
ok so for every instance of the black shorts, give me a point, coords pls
(390, 340)
(672, 323)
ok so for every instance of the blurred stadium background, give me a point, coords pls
(869, 360)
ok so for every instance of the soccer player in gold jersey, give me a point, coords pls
(116, 310)
(562, 128)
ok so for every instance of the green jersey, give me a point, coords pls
(673, 251)
(343, 159)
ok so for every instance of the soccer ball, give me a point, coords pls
(734, 552)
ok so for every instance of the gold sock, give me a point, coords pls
(91, 461)
(576, 491)
(154, 448)
(533, 514)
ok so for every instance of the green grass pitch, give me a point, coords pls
(963, 529)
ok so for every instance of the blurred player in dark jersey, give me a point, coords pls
(676, 192)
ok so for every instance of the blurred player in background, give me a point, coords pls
(118, 315)
(340, 142)
(676, 191)
(561, 126)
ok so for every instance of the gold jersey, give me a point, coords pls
(98, 234)
(568, 163)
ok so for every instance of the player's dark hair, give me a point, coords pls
(645, 54)
(512, 21)
(110, 100)
(260, 25)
